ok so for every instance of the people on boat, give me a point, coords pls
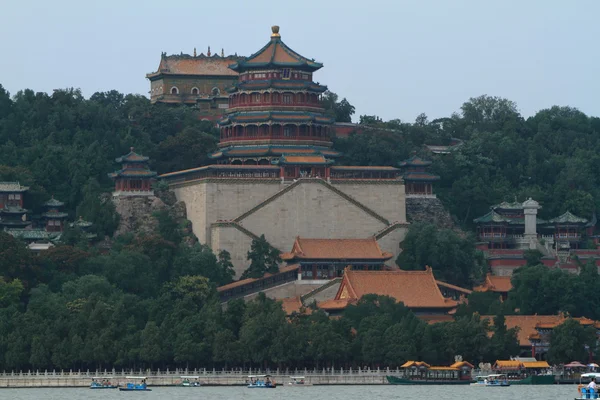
(592, 384)
(485, 381)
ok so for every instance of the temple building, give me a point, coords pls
(134, 178)
(199, 80)
(12, 213)
(417, 180)
(418, 290)
(54, 216)
(535, 330)
(327, 258)
(275, 172)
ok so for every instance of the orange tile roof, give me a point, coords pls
(416, 289)
(292, 305)
(461, 364)
(197, 66)
(527, 324)
(509, 364)
(494, 283)
(305, 159)
(453, 287)
(536, 364)
(334, 249)
(333, 304)
(295, 151)
(409, 364)
(243, 282)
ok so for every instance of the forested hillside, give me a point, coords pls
(151, 300)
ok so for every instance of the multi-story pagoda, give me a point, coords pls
(54, 216)
(275, 115)
(417, 180)
(134, 178)
(12, 213)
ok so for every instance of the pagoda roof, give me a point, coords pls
(568, 218)
(302, 159)
(81, 223)
(276, 116)
(276, 54)
(13, 210)
(275, 150)
(420, 176)
(132, 157)
(12, 187)
(336, 249)
(200, 65)
(415, 161)
(55, 215)
(133, 173)
(492, 216)
(33, 234)
(515, 205)
(54, 203)
(278, 84)
(416, 289)
(495, 283)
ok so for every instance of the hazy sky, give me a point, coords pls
(394, 58)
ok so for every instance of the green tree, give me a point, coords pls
(263, 257)
(150, 351)
(571, 341)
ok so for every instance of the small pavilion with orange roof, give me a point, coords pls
(418, 290)
(327, 258)
(494, 283)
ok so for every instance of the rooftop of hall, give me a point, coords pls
(416, 289)
(276, 54)
(12, 187)
(283, 116)
(414, 161)
(196, 65)
(336, 249)
(495, 283)
(53, 203)
(275, 150)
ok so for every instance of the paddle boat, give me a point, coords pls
(496, 380)
(102, 383)
(261, 382)
(132, 387)
(584, 392)
(298, 381)
(190, 381)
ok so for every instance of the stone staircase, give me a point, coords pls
(322, 293)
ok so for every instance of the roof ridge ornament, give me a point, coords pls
(275, 30)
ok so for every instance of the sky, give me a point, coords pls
(394, 59)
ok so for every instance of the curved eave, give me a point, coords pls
(303, 66)
(127, 174)
(55, 215)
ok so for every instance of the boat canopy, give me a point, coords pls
(591, 375)
(190, 377)
(259, 376)
(135, 377)
(297, 377)
(496, 376)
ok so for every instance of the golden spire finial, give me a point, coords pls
(275, 30)
(194, 52)
(208, 53)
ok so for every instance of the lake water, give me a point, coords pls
(384, 392)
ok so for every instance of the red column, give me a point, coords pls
(327, 172)
(314, 271)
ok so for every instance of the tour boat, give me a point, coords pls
(261, 382)
(190, 381)
(497, 380)
(480, 381)
(298, 381)
(132, 387)
(104, 384)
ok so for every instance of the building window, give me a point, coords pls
(215, 91)
(11, 196)
(275, 97)
(305, 76)
(256, 98)
(195, 91)
(287, 131)
(287, 99)
(174, 90)
(285, 73)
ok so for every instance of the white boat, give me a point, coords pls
(190, 381)
(480, 381)
(497, 380)
(298, 381)
(261, 382)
